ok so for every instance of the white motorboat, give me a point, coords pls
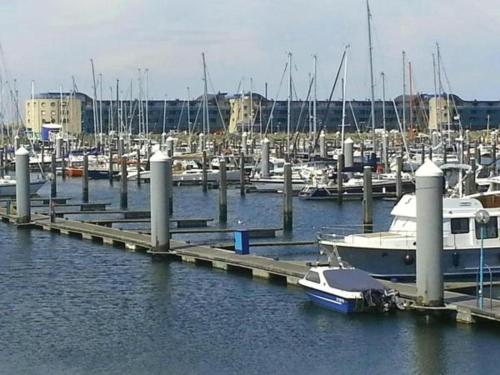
(8, 186)
(391, 254)
(346, 289)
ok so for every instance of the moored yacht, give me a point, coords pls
(392, 254)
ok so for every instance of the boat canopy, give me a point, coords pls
(351, 279)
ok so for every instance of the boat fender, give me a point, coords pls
(408, 259)
(456, 259)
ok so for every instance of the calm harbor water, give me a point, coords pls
(73, 306)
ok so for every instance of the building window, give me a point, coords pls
(460, 225)
(490, 229)
(52, 104)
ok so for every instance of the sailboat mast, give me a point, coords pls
(289, 105)
(206, 125)
(110, 112)
(309, 106)
(189, 111)
(315, 97)
(118, 128)
(100, 107)
(147, 102)
(404, 92)
(139, 84)
(371, 70)
(250, 118)
(435, 92)
(164, 113)
(94, 108)
(440, 82)
(383, 101)
(61, 110)
(411, 95)
(343, 102)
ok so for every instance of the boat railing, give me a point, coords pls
(340, 232)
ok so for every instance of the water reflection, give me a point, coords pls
(428, 346)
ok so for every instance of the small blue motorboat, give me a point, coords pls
(346, 289)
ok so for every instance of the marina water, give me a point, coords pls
(78, 307)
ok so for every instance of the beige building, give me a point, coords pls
(66, 112)
(243, 111)
(438, 113)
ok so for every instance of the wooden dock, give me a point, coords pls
(462, 306)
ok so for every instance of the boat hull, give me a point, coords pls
(325, 193)
(10, 190)
(74, 172)
(100, 174)
(334, 302)
(400, 264)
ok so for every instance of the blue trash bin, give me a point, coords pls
(241, 242)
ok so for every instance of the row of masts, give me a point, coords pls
(121, 115)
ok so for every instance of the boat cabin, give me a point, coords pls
(459, 225)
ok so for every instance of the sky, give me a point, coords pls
(246, 44)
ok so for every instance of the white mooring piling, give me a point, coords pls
(264, 158)
(201, 142)
(163, 141)
(121, 147)
(429, 247)
(287, 198)
(160, 185)
(385, 152)
(367, 199)
(110, 164)
(244, 140)
(340, 169)
(399, 182)
(53, 171)
(17, 144)
(322, 145)
(170, 147)
(348, 153)
(59, 146)
(242, 175)
(85, 178)
(23, 186)
(222, 191)
(123, 183)
(204, 176)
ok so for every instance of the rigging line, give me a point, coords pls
(302, 108)
(195, 122)
(328, 104)
(354, 118)
(274, 100)
(180, 117)
(452, 96)
(404, 138)
(216, 101)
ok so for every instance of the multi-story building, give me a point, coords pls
(54, 108)
(452, 111)
(244, 112)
